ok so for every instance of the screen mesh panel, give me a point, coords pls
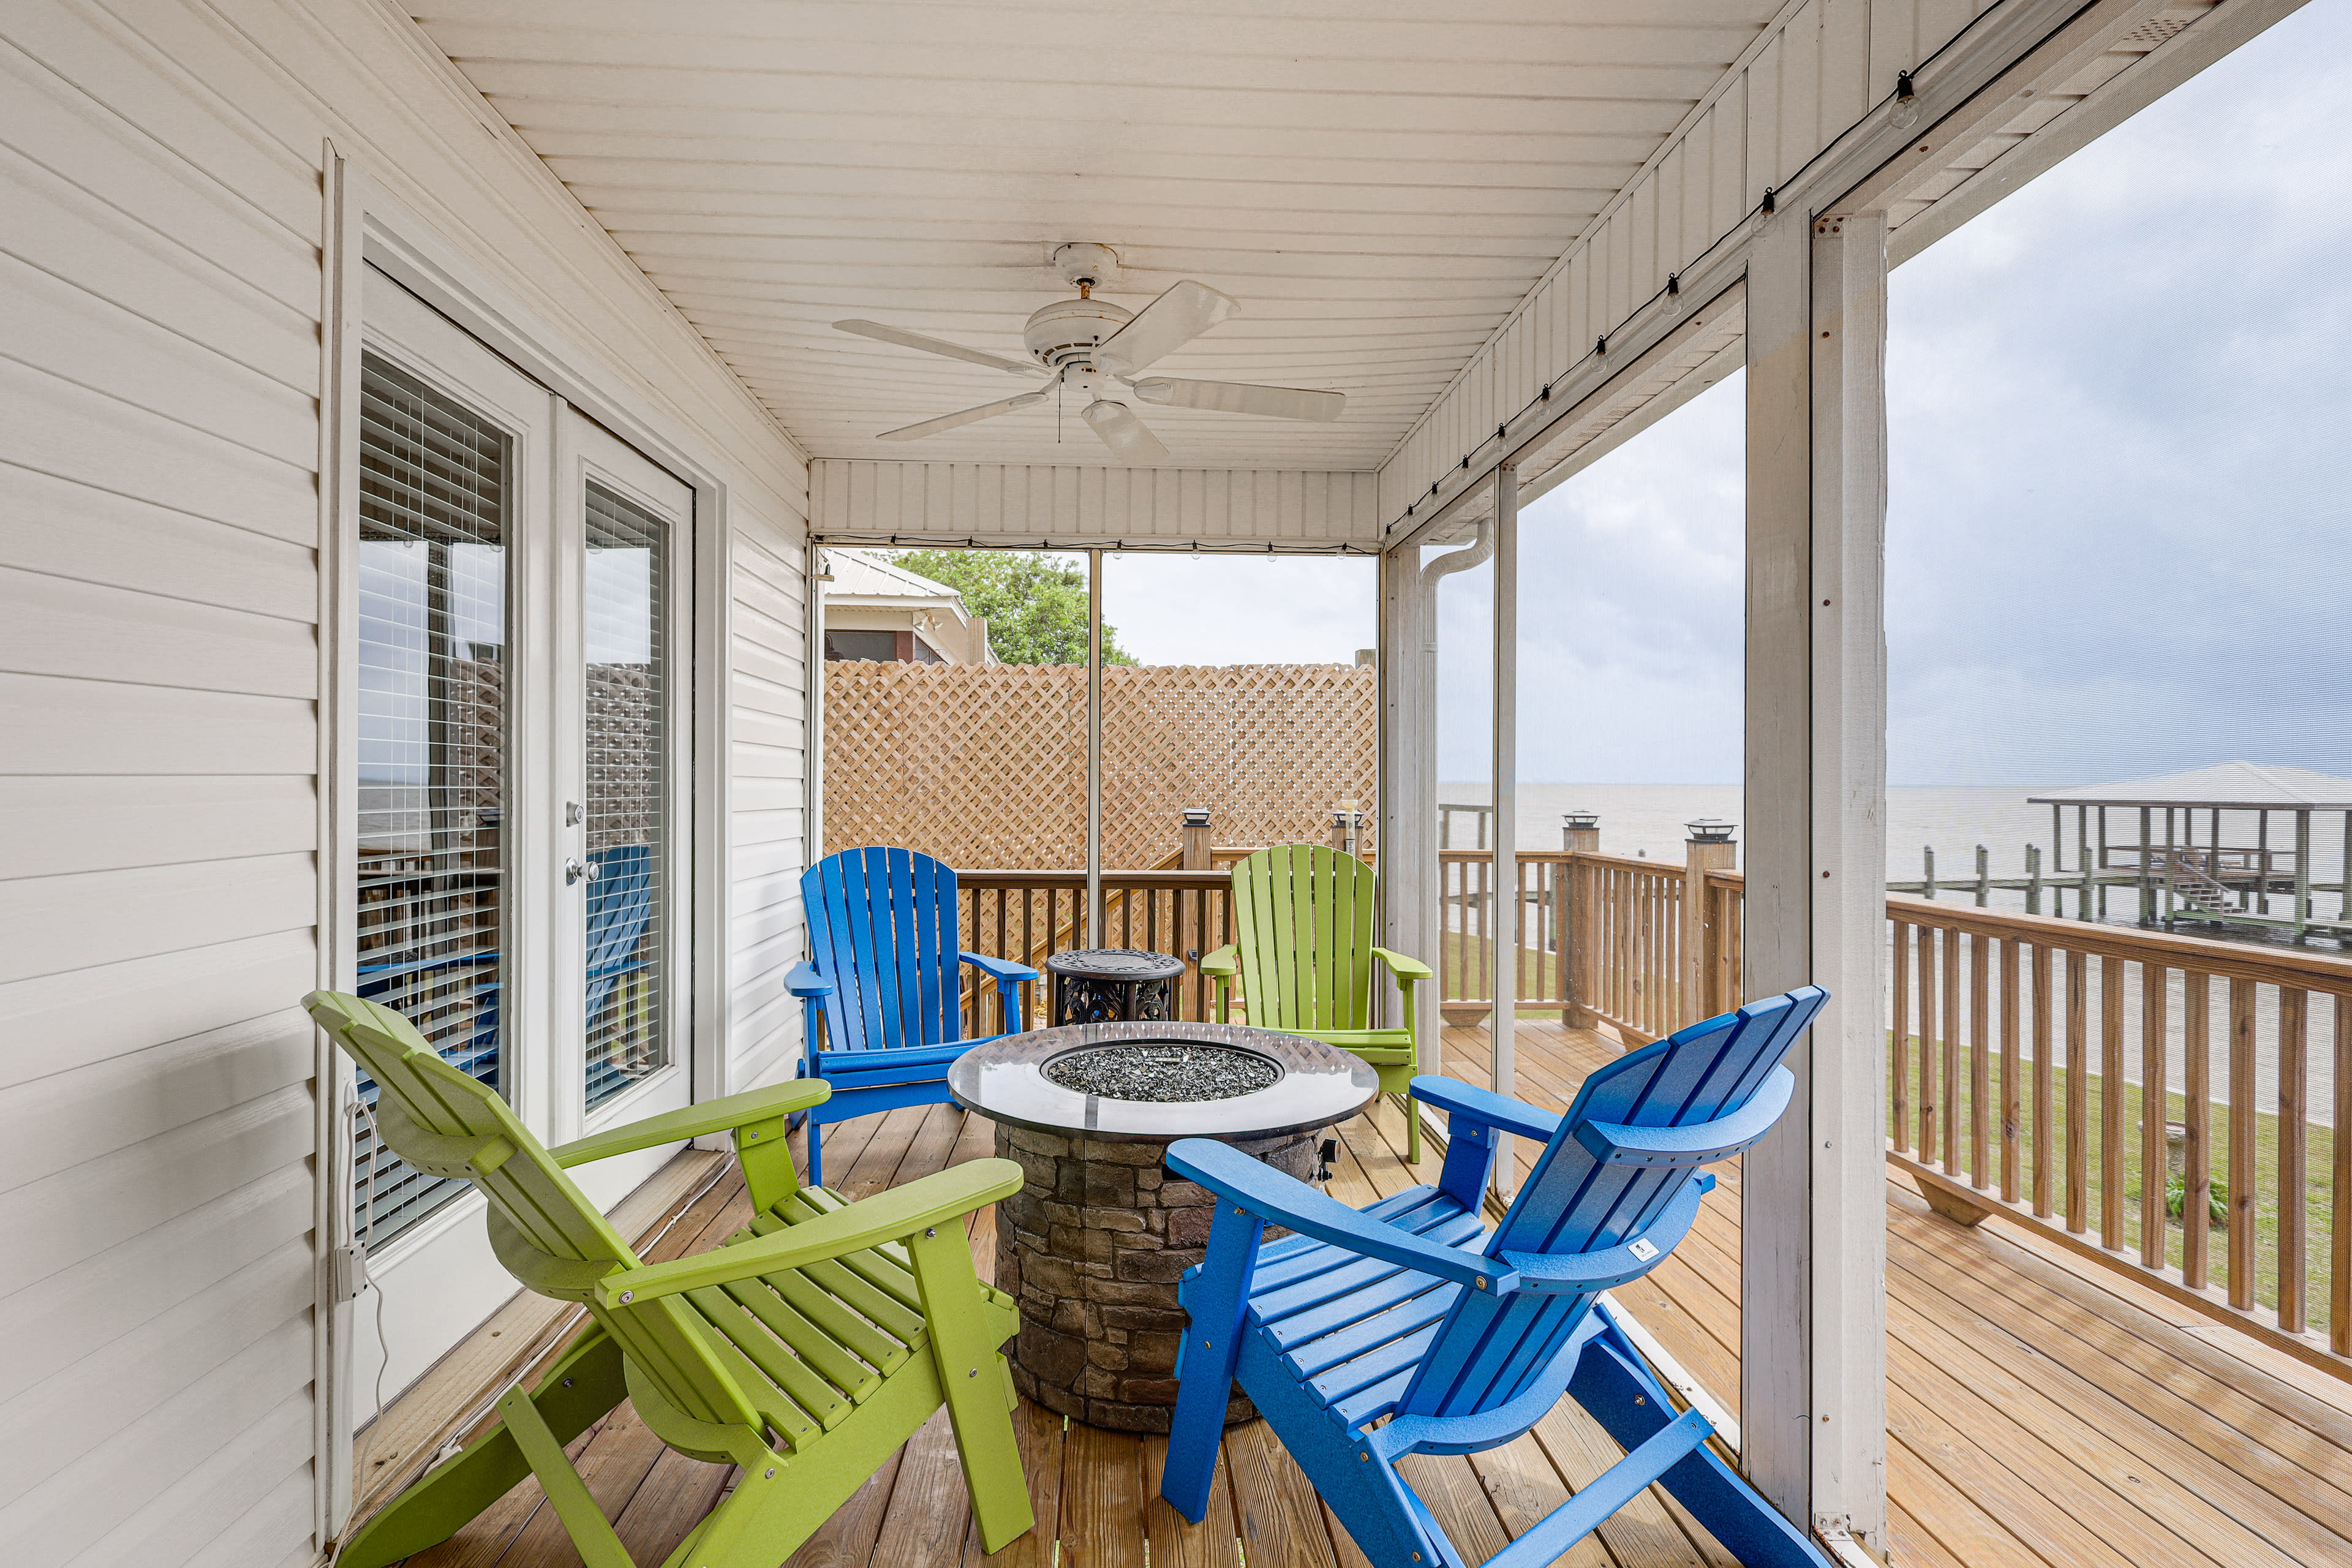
(432, 740)
(628, 792)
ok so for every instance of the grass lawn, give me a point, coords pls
(2032, 1151)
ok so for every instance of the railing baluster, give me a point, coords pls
(2339, 1292)
(1980, 1062)
(2294, 1155)
(2197, 1157)
(1928, 1128)
(1898, 988)
(2009, 1070)
(2155, 1110)
(2078, 1093)
(2045, 1132)
(2112, 1095)
(2241, 1144)
(1950, 1009)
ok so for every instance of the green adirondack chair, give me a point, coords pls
(1303, 947)
(806, 1348)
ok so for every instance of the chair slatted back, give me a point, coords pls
(882, 929)
(1302, 926)
(1491, 1350)
(544, 1230)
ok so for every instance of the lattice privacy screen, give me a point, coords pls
(432, 738)
(985, 765)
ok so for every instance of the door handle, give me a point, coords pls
(573, 871)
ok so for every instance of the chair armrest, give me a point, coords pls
(1485, 1107)
(937, 1199)
(1572, 1274)
(1620, 1144)
(803, 981)
(1224, 963)
(1003, 970)
(722, 1115)
(1401, 966)
(1284, 1200)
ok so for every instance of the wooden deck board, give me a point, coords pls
(2040, 1412)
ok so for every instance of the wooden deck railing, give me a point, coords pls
(1029, 916)
(1621, 922)
(2142, 1098)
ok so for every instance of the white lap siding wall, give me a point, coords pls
(160, 379)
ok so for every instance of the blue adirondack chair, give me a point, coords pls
(1407, 1311)
(884, 974)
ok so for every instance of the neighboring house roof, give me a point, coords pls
(867, 580)
(863, 576)
(2232, 786)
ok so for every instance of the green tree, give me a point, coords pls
(1035, 603)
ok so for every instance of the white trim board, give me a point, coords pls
(1069, 506)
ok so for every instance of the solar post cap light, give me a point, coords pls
(1085, 345)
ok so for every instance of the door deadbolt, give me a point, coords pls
(571, 813)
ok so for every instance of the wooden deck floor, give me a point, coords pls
(2037, 1414)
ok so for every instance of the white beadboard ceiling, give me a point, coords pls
(1377, 182)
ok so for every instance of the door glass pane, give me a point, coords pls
(432, 738)
(628, 792)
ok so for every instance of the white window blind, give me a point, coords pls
(434, 500)
(628, 791)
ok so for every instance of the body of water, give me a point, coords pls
(1648, 821)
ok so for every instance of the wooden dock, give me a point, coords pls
(2038, 1414)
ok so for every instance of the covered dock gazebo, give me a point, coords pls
(2192, 867)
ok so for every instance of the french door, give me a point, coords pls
(522, 789)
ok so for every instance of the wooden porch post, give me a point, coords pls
(1094, 750)
(1813, 1319)
(1408, 799)
(1503, 1023)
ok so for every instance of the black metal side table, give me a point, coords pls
(1112, 984)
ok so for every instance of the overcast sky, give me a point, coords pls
(2120, 520)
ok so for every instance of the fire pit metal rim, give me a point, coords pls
(1004, 1080)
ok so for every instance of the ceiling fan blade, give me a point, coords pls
(1240, 397)
(1182, 313)
(929, 345)
(1127, 438)
(962, 417)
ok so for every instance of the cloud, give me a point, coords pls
(1242, 609)
(2120, 491)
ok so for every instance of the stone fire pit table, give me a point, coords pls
(1094, 1243)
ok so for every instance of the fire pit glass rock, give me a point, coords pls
(1163, 1072)
(1096, 1240)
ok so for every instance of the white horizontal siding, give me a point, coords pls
(1143, 508)
(160, 287)
(767, 736)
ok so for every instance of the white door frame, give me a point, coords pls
(362, 226)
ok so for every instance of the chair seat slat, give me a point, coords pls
(1370, 1331)
(1440, 1219)
(838, 1364)
(732, 1320)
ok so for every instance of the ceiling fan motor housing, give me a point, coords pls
(1065, 331)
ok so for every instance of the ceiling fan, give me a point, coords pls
(1084, 344)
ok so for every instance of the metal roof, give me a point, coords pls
(864, 576)
(2231, 786)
